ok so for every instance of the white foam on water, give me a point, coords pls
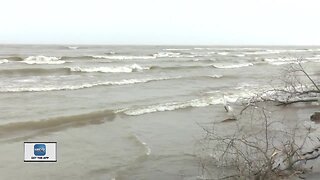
(49, 87)
(240, 55)
(171, 106)
(315, 58)
(232, 66)
(42, 60)
(223, 53)
(167, 54)
(115, 69)
(124, 57)
(176, 49)
(282, 61)
(144, 144)
(2, 61)
(73, 47)
(199, 48)
(215, 76)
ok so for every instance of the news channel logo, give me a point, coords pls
(40, 151)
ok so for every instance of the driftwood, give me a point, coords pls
(229, 120)
(261, 154)
(295, 90)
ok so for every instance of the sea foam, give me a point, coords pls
(2, 61)
(117, 69)
(171, 106)
(231, 66)
(282, 61)
(42, 60)
(124, 57)
(50, 87)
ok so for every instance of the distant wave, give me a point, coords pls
(14, 58)
(42, 60)
(109, 56)
(73, 47)
(262, 52)
(173, 55)
(110, 53)
(179, 67)
(177, 49)
(223, 53)
(315, 58)
(81, 86)
(2, 61)
(76, 57)
(279, 51)
(133, 68)
(167, 54)
(283, 61)
(35, 71)
(123, 57)
(232, 66)
(127, 69)
(36, 87)
(227, 49)
(239, 55)
(97, 69)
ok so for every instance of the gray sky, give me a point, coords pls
(214, 22)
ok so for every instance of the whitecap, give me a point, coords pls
(240, 55)
(50, 87)
(73, 47)
(199, 48)
(42, 60)
(171, 106)
(176, 49)
(282, 61)
(115, 69)
(2, 61)
(233, 66)
(262, 52)
(223, 53)
(167, 54)
(215, 76)
(124, 57)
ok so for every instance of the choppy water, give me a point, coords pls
(126, 112)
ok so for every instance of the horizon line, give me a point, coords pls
(106, 44)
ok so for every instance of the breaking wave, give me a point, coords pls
(177, 49)
(282, 61)
(173, 55)
(124, 57)
(201, 102)
(232, 66)
(73, 47)
(223, 53)
(2, 61)
(127, 69)
(49, 87)
(42, 60)
(36, 86)
(179, 67)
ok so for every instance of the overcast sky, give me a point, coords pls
(211, 22)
